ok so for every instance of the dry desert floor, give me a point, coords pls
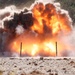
(37, 66)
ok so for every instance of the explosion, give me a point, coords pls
(38, 28)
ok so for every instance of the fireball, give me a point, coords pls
(41, 30)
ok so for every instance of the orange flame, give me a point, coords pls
(48, 24)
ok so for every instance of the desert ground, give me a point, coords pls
(37, 66)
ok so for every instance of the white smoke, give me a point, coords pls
(7, 10)
(19, 29)
(69, 43)
(7, 13)
(45, 1)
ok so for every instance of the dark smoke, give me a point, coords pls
(24, 19)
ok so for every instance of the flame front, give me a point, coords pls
(40, 40)
(44, 48)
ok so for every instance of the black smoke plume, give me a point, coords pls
(8, 34)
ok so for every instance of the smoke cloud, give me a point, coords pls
(16, 24)
(19, 29)
(69, 43)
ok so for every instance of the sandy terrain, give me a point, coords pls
(37, 66)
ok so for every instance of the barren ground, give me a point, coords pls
(37, 66)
